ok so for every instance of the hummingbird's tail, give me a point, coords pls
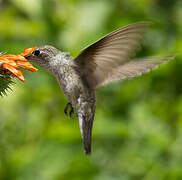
(86, 122)
(87, 136)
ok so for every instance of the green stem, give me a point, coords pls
(5, 83)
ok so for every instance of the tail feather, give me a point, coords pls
(86, 123)
(87, 136)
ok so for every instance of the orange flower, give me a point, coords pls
(11, 62)
(28, 51)
(26, 66)
(14, 71)
(14, 57)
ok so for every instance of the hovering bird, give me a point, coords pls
(106, 60)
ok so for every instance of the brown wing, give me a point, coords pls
(136, 67)
(98, 60)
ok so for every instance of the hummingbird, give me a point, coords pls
(107, 60)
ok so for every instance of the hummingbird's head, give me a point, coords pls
(45, 56)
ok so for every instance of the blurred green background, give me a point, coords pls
(138, 126)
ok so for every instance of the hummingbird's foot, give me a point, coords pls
(71, 112)
(66, 109)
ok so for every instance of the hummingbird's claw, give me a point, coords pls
(66, 109)
(71, 112)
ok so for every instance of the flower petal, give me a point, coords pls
(10, 62)
(14, 71)
(14, 57)
(28, 51)
(27, 66)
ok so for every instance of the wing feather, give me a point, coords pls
(135, 67)
(99, 59)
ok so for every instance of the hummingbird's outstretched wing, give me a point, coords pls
(97, 61)
(135, 67)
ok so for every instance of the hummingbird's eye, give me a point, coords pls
(36, 52)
